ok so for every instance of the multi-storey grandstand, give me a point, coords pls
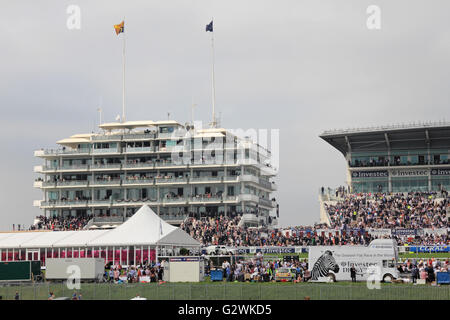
(178, 170)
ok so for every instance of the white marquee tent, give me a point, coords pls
(136, 240)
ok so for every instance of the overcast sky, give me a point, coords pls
(299, 66)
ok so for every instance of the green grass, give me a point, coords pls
(232, 291)
(424, 255)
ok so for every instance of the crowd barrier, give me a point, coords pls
(227, 291)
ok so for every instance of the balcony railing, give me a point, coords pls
(166, 135)
(115, 137)
(138, 181)
(138, 149)
(105, 182)
(105, 150)
(206, 179)
(139, 136)
(266, 184)
(168, 164)
(56, 152)
(72, 183)
(171, 180)
(139, 165)
(62, 203)
(121, 202)
(265, 202)
(106, 166)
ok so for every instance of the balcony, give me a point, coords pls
(72, 183)
(139, 165)
(112, 182)
(105, 151)
(175, 201)
(105, 137)
(249, 197)
(145, 136)
(268, 170)
(267, 184)
(173, 180)
(137, 181)
(61, 152)
(166, 135)
(37, 203)
(166, 164)
(206, 179)
(38, 169)
(38, 184)
(248, 178)
(199, 199)
(65, 203)
(266, 202)
(108, 166)
(138, 149)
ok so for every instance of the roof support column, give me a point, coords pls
(388, 144)
(429, 180)
(427, 140)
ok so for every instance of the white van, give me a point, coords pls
(378, 259)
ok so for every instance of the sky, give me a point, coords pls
(300, 66)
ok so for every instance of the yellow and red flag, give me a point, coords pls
(119, 27)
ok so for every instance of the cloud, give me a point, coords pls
(300, 66)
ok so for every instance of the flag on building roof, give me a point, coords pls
(119, 27)
(209, 27)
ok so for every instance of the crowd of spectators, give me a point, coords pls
(355, 212)
(412, 211)
(423, 269)
(226, 231)
(134, 274)
(258, 270)
(60, 223)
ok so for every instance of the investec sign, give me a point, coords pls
(401, 173)
(370, 174)
(440, 172)
(411, 172)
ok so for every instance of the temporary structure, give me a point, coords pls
(136, 240)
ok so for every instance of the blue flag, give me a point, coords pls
(209, 27)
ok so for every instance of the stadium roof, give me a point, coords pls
(143, 228)
(435, 135)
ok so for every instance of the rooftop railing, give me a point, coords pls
(139, 136)
(413, 125)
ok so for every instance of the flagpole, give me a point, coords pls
(123, 74)
(213, 124)
(193, 105)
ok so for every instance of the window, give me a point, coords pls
(388, 264)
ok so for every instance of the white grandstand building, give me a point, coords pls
(178, 170)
